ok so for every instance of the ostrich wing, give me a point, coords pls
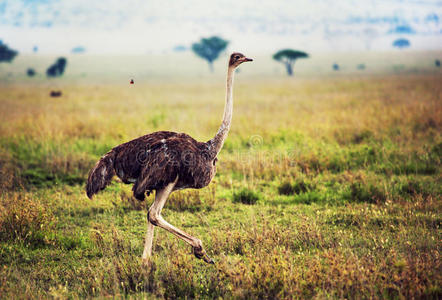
(158, 169)
(179, 155)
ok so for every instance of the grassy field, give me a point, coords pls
(327, 187)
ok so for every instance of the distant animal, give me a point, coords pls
(131, 81)
(437, 63)
(164, 162)
(335, 67)
(55, 94)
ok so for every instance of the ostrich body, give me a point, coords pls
(164, 162)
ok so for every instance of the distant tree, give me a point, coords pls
(210, 48)
(78, 49)
(401, 43)
(437, 63)
(288, 58)
(361, 67)
(57, 69)
(402, 29)
(180, 48)
(30, 72)
(6, 54)
(335, 67)
(432, 17)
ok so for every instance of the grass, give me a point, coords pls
(326, 188)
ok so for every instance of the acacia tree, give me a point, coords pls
(6, 54)
(401, 43)
(288, 58)
(209, 49)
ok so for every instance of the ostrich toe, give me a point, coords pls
(200, 253)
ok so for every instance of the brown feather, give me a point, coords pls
(154, 160)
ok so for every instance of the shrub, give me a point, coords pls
(245, 196)
(298, 187)
(30, 72)
(286, 188)
(366, 192)
(57, 69)
(25, 220)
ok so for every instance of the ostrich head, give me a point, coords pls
(237, 58)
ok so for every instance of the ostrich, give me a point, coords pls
(166, 161)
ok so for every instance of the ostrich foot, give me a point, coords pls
(200, 253)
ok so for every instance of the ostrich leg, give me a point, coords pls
(155, 218)
(147, 253)
(160, 194)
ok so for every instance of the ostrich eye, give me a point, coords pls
(237, 57)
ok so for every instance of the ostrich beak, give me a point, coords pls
(247, 59)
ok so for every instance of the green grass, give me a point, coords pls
(325, 188)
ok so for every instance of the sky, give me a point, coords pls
(158, 26)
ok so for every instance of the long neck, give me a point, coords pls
(218, 140)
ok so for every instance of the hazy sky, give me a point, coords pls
(143, 26)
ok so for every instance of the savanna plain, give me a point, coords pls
(328, 186)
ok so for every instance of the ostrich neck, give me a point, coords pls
(218, 140)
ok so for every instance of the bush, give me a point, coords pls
(286, 189)
(366, 192)
(30, 72)
(298, 187)
(25, 220)
(57, 69)
(245, 196)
